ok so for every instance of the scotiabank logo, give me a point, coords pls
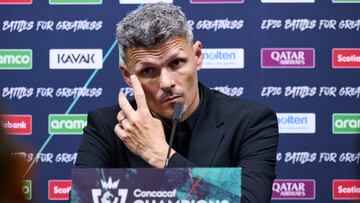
(216, 1)
(59, 189)
(75, 58)
(346, 189)
(288, 58)
(293, 189)
(346, 58)
(16, 124)
(15, 1)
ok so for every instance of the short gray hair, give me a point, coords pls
(151, 25)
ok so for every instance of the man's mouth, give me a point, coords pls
(171, 99)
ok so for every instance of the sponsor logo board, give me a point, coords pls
(15, 2)
(75, 58)
(223, 58)
(16, 124)
(288, 58)
(75, 2)
(346, 189)
(144, 1)
(296, 122)
(15, 59)
(63, 124)
(293, 189)
(27, 189)
(216, 1)
(346, 123)
(59, 189)
(288, 1)
(346, 58)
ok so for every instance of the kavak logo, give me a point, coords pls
(16, 124)
(346, 123)
(15, 1)
(27, 189)
(75, 2)
(296, 122)
(287, 1)
(75, 58)
(346, 58)
(293, 189)
(288, 58)
(59, 189)
(63, 124)
(216, 1)
(346, 189)
(15, 59)
(144, 1)
(111, 192)
(223, 58)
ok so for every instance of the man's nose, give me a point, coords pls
(166, 80)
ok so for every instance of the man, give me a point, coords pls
(160, 63)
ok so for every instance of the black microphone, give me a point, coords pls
(178, 110)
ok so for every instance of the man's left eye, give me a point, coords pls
(176, 63)
(147, 72)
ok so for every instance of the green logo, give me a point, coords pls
(63, 124)
(75, 2)
(346, 123)
(14, 59)
(26, 188)
(346, 1)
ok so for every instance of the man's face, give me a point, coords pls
(168, 74)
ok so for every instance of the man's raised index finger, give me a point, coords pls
(138, 93)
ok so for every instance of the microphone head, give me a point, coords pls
(178, 110)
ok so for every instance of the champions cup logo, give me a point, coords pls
(346, 58)
(59, 189)
(75, 58)
(15, 59)
(16, 124)
(64, 124)
(296, 122)
(293, 189)
(288, 58)
(346, 189)
(223, 58)
(15, 2)
(346, 123)
(216, 1)
(111, 192)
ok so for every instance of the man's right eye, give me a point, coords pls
(148, 72)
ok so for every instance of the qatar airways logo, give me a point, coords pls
(297, 123)
(346, 58)
(288, 58)
(346, 189)
(293, 189)
(59, 189)
(223, 58)
(216, 1)
(15, 1)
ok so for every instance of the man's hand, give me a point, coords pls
(142, 134)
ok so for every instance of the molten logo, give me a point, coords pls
(346, 58)
(288, 58)
(15, 1)
(16, 124)
(59, 189)
(346, 189)
(293, 189)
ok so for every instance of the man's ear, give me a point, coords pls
(125, 73)
(197, 47)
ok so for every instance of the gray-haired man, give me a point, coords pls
(160, 62)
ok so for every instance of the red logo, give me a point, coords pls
(16, 124)
(15, 1)
(346, 189)
(346, 58)
(59, 189)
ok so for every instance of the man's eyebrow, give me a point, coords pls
(171, 57)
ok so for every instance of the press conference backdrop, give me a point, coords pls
(59, 60)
